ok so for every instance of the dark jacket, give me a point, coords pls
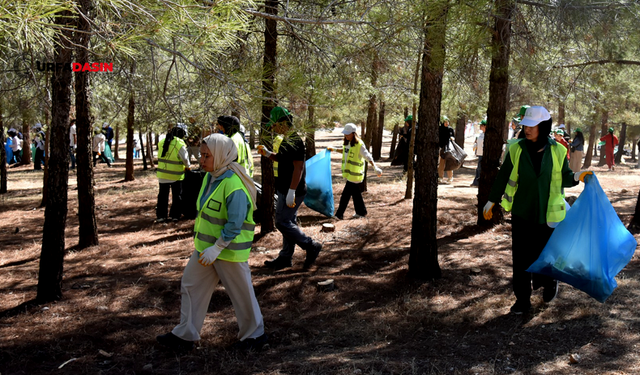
(444, 134)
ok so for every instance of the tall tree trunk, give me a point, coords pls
(128, 174)
(423, 255)
(634, 224)
(268, 103)
(461, 123)
(408, 193)
(150, 150)
(142, 152)
(310, 139)
(394, 140)
(88, 227)
(3, 156)
(604, 127)
(26, 143)
(498, 103)
(116, 148)
(561, 117)
(372, 121)
(47, 153)
(379, 134)
(593, 141)
(621, 142)
(55, 215)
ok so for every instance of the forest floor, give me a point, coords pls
(121, 294)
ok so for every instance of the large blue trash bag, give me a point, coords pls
(107, 152)
(8, 151)
(589, 247)
(319, 188)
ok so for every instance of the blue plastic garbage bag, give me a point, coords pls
(8, 151)
(319, 188)
(589, 247)
(107, 152)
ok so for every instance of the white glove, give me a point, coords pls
(264, 151)
(583, 176)
(487, 210)
(378, 170)
(291, 197)
(209, 255)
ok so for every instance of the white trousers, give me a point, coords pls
(198, 283)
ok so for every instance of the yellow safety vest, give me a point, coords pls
(555, 207)
(171, 167)
(212, 217)
(352, 164)
(276, 147)
(244, 154)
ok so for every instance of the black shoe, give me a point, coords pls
(278, 263)
(174, 342)
(174, 219)
(520, 308)
(160, 220)
(550, 292)
(312, 254)
(255, 344)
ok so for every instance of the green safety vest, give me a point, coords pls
(276, 147)
(212, 217)
(244, 154)
(352, 164)
(171, 167)
(555, 207)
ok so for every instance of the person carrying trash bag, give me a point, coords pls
(172, 163)
(354, 154)
(224, 230)
(230, 125)
(289, 173)
(532, 178)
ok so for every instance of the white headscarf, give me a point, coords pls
(224, 154)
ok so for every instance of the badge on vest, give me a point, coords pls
(214, 205)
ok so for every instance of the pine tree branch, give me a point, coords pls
(302, 20)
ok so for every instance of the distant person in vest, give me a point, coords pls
(354, 157)
(172, 162)
(108, 133)
(610, 143)
(577, 147)
(445, 134)
(38, 143)
(532, 178)
(230, 125)
(478, 147)
(98, 143)
(16, 147)
(289, 172)
(223, 238)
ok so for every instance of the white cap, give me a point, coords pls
(242, 130)
(37, 125)
(561, 126)
(535, 115)
(105, 125)
(349, 128)
(12, 130)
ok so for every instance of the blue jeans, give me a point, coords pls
(73, 157)
(286, 223)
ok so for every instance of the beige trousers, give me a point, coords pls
(576, 161)
(198, 283)
(441, 167)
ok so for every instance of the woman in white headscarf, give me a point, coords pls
(223, 237)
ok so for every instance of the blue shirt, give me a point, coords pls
(238, 206)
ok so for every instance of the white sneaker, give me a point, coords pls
(440, 181)
(450, 181)
(356, 216)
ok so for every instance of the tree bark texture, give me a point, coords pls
(604, 128)
(310, 139)
(394, 140)
(115, 150)
(593, 141)
(150, 150)
(88, 228)
(142, 152)
(55, 215)
(461, 124)
(128, 174)
(423, 254)
(498, 105)
(372, 121)
(621, 141)
(378, 135)
(267, 209)
(26, 140)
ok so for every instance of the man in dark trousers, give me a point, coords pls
(289, 172)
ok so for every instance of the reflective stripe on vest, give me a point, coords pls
(244, 154)
(171, 167)
(213, 216)
(352, 164)
(276, 147)
(555, 206)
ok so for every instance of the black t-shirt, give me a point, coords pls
(292, 148)
(444, 133)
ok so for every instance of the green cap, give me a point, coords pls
(409, 118)
(277, 113)
(610, 130)
(560, 131)
(483, 122)
(445, 118)
(521, 114)
(579, 130)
